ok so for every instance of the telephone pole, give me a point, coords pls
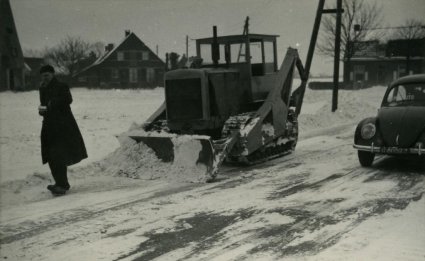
(338, 11)
(187, 46)
(337, 53)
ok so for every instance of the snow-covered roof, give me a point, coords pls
(107, 54)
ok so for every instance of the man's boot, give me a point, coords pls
(58, 191)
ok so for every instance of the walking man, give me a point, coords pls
(61, 142)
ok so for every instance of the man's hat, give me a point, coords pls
(47, 68)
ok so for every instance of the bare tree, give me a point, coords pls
(33, 53)
(407, 41)
(69, 55)
(364, 15)
(412, 29)
(98, 48)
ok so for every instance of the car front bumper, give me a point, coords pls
(390, 150)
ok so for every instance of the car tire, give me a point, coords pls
(366, 158)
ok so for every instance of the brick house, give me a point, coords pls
(130, 64)
(12, 66)
(374, 63)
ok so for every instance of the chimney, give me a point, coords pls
(127, 32)
(109, 47)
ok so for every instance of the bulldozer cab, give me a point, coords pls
(254, 56)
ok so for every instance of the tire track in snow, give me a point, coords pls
(293, 239)
(26, 229)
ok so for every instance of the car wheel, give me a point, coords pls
(366, 158)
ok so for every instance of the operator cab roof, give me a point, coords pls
(238, 38)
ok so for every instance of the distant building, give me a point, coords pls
(130, 64)
(32, 72)
(11, 58)
(374, 63)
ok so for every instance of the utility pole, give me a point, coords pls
(313, 39)
(337, 53)
(338, 11)
(187, 46)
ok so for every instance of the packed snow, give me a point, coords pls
(315, 204)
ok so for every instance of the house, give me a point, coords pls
(130, 64)
(11, 58)
(373, 63)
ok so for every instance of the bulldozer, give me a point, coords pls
(234, 104)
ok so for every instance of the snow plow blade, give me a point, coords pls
(186, 152)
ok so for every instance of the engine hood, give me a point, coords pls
(401, 126)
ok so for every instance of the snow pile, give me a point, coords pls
(137, 160)
(134, 160)
(353, 106)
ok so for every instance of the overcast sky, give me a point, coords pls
(166, 23)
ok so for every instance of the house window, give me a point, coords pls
(359, 73)
(145, 56)
(120, 56)
(82, 79)
(127, 56)
(114, 73)
(133, 75)
(402, 70)
(150, 74)
(359, 68)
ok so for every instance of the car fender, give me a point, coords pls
(357, 135)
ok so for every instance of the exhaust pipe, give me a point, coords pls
(215, 48)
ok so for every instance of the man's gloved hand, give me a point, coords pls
(42, 110)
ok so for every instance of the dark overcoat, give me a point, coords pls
(61, 140)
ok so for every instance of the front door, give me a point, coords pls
(132, 75)
(150, 75)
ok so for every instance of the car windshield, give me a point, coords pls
(406, 94)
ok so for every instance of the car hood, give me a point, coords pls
(401, 126)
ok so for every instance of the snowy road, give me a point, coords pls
(315, 204)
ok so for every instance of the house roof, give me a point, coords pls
(107, 54)
(392, 50)
(10, 46)
(383, 58)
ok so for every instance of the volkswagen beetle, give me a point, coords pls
(399, 127)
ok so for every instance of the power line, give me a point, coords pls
(392, 27)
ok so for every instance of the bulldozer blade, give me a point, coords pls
(185, 152)
(162, 146)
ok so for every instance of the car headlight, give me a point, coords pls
(368, 131)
